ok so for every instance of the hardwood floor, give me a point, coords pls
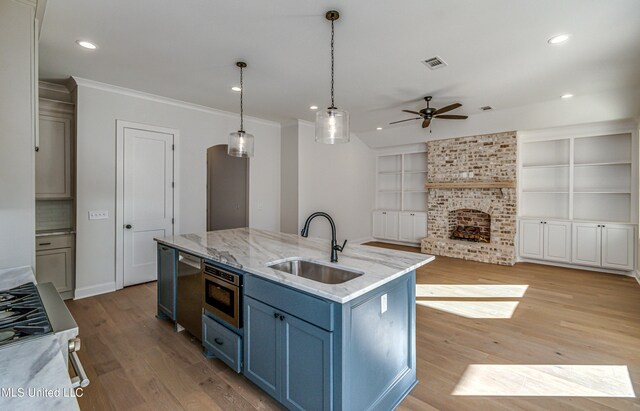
(485, 335)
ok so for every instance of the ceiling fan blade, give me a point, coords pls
(409, 119)
(452, 117)
(447, 108)
(426, 123)
(412, 112)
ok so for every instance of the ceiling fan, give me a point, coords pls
(429, 113)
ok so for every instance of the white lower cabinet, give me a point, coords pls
(545, 240)
(604, 245)
(413, 226)
(407, 226)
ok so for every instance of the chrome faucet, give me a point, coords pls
(334, 244)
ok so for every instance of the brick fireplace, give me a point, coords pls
(472, 193)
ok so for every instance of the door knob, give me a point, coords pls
(128, 226)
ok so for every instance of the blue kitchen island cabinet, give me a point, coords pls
(314, 354)
(167, 273)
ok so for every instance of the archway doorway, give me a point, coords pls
(227, 190)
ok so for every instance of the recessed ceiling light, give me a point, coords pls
(86, 44)
(313, 108)
(561, 38)
(378, 128)
(236, 88)
(568, 95)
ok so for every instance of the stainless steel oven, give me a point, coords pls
(222, 294)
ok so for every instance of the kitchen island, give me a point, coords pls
(309, 344)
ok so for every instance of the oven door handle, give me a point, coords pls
(81, 380)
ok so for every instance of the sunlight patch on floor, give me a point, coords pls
(471, 290)
(473, 309)
(545, 381)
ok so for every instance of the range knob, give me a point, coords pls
(74, 344)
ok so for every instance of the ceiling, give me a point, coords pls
(496, 50)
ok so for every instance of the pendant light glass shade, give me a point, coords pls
(240, 144)
(332, 126)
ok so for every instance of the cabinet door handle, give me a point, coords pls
(281, 317)
(276, 315)
(45, 244)
(218, 341)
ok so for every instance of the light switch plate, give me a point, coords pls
(98, 215)
(383, 304)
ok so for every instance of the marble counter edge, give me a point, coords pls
(297, 284)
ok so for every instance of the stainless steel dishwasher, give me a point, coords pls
(189, 294)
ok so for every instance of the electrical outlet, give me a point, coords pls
(383, 304)
(98, 215)
(470, 174)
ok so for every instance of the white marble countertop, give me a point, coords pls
(13, 277)
(34, 376)
(251, 249)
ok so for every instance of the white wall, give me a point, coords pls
(17, 201)
(338, 179)
(289, 179)
(98, 108)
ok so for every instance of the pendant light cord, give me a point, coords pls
(333, 105)
(241, 102)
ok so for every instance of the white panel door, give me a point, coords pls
(148, 200)
(391, 225)
(378, 224)
(586, 247)
(617, 246)
(557, 241)
(405, 231)
(531, 239)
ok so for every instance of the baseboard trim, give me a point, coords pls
(384, 240)
(577, 267)
(362, 240)
(103, 288)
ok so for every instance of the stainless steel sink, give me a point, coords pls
(316, 271)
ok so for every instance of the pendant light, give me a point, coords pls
(241, 142)
(332, 124)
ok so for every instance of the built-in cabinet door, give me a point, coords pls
(378, 224)
(53, 158)
(262, 346)
(406, 224)
(56, 266)
(306, 365)
(419, 226)
(617, 246)
(412, 226)
(391, 225)
(587, 242)
(557, 241)
(531, 239)
(167, 281)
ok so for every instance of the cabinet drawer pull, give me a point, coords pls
(218, 341)
(44, 244)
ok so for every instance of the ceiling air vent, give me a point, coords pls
(486, 108)
(435, 63)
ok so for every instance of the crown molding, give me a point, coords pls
(30, 3)
(82, 82)
(58, 88)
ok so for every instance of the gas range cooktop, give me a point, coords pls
(22, 315)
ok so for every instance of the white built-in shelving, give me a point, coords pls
(588, 177)
(401, 197)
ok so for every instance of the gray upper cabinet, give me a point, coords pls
(54, 156)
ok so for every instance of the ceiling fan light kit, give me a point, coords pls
(429, 113)
(241, 142)
(332, 124)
